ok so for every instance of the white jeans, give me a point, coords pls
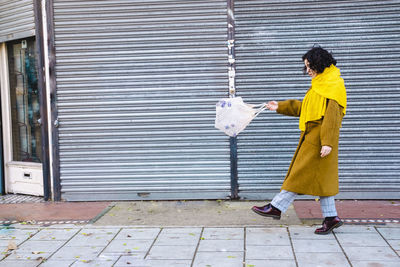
(283, 200)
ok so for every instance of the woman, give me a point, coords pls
(314, 167)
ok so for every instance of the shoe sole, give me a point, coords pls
(275, 217)
(330, 230)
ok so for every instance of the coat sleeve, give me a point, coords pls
(289, 108)
(331, 124)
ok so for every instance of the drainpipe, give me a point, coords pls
(232, 93)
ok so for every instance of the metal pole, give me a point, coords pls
(53, 102)
(42, 101)
(232, 93)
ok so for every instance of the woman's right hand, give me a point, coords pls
(272, 105)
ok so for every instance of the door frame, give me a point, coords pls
(17, 168)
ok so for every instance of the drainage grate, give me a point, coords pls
(12, 199)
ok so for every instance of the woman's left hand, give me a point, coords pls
(325, 151)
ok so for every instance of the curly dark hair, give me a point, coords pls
(319, 59)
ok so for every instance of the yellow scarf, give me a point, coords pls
(326, 85)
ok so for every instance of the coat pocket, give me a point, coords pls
(312, 134)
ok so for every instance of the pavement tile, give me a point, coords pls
(390, 233)
(361, 240)
(78, 253)
(218, 259)
(57, 263)
(99, 231)
(97, 240)
(181, 230)
(19, 263)
(171, 253)
(41, 245)
(370, 253)
(55, 234)
(375, 263)
(321, 259)
(305, 232)
(99, 262)
(16, 234)
(270, 263)
(139, 233)
(221, 245)
(267, 236)
(125, 246)
(126, 261)
(28, 255)
(355, 229)
(304, 245)
(178, 238)
(223, 233)
(269, 253)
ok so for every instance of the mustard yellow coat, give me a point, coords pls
(309, 174)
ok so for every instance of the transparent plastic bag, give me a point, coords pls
(233, 115)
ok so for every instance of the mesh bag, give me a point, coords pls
(233, 115)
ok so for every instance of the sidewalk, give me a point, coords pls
(196, 233)
(245, 246)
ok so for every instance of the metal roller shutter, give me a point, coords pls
(137, 83)
(17, 19)
(364, 36)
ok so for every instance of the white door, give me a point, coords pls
(21, 118)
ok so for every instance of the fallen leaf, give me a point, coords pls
(11, 245)
(85, 234)
(37, 252)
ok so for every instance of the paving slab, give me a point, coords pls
(270, 263)
(86, 253)
(41, 246)
(19, 263)
(307, 245)
(126, 261)
(142, 233)
(128, 246)
(99, 240)
(321, 259)
(361, 240)
(389, 232)
(371, 254)
(267, 236)
(171, 252)
(221, 245)
(269, 252)
(55, 234)
(99, 262)
(57, 263)
(223, 233)
(306, 232)
(375, 263)
(218, 259)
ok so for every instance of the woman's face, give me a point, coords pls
(312, 73)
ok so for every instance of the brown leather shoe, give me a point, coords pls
(328, 226)
(267, 211)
